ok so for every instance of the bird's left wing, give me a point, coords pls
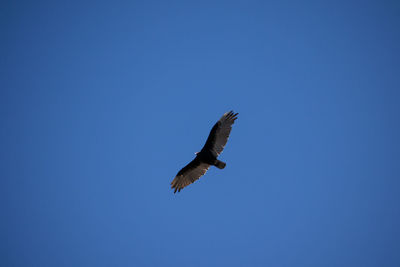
(190, 173)
(219, 134)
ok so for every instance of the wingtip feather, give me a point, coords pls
(230, 116)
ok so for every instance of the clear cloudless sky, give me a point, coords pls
(102, 102)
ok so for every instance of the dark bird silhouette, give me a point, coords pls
(214, 146)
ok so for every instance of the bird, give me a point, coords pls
(207, 156)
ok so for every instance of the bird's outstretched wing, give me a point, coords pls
(190, 173)
(219, 134)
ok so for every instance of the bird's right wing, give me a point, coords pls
(219, 134)
(190, 173)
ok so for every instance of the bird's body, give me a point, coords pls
(210, 158)
(207, 157)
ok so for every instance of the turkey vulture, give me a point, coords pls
(215, 143)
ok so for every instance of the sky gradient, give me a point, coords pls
(102, 104)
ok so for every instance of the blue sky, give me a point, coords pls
(102, 103)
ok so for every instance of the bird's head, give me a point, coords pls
(196, 153)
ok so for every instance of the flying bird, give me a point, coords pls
(207, 156)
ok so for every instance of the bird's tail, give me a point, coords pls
(219, 164)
